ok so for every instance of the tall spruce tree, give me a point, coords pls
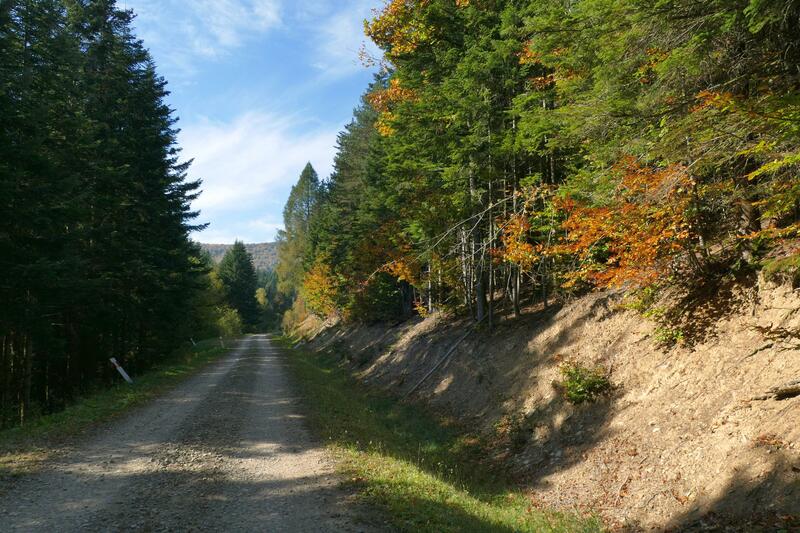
(294, 247)
(95, 259)
(238, 277)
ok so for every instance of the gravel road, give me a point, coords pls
(225, 451)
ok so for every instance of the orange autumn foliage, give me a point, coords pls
(637, 234)
(404, 270)
(398, 27)
(721, 101)
(383, 100)
(528, 56)
(646, 72)
(381, 251)
(542, 82)
(515, 248)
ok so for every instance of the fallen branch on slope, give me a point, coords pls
(443, 359)
(782, 392)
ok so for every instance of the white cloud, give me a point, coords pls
(249, 161)
(340, 37)
(228, 22)
(180, 31)
(265, 226)
(249, 164)
(183, 34)
(247, 231)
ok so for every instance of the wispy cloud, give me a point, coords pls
(339, 39)
(224, 59)
(181, 32)
(265, 226)
(249, 164)
(184, 34)
(259, 230)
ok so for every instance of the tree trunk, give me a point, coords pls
(750, 222)
(490, 243)
(430, 289)
(25, 406)
(545, 280)
(480, 296)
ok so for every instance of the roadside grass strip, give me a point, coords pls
(424, 475)
(23, 448)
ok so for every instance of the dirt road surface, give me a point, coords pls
(225, 451)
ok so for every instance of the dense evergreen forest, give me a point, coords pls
(94, 211)
(512, 151)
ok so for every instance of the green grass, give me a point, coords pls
(23, 448)
(783, 268)
(424, 475)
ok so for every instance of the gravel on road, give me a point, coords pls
(227, 450)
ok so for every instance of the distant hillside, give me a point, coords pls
(265, 254)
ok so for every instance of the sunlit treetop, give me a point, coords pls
(398, 27)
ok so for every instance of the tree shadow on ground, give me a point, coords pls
(175, 499)
(449, 456)
(555, 436)
(371, 419)
(747, 505)
(696, 306)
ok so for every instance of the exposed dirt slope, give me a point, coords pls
(681, 437)
(225, 451)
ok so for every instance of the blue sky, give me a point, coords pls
(260, 87)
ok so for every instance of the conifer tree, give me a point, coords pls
(294, 247)
(95, 257)
(238, 277)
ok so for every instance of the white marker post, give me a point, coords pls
(221, 343)
(121, 370)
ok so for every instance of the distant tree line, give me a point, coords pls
(265, 254)
(515, 150)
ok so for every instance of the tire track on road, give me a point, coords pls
(227, 450)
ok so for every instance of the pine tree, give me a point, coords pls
(238, 277)
(294, 247)
(95, 259)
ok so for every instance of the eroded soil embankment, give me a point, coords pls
(686, 433)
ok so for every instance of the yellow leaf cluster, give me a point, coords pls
(397, 27)
(383, 100)
(515, 247)
(319, 289)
